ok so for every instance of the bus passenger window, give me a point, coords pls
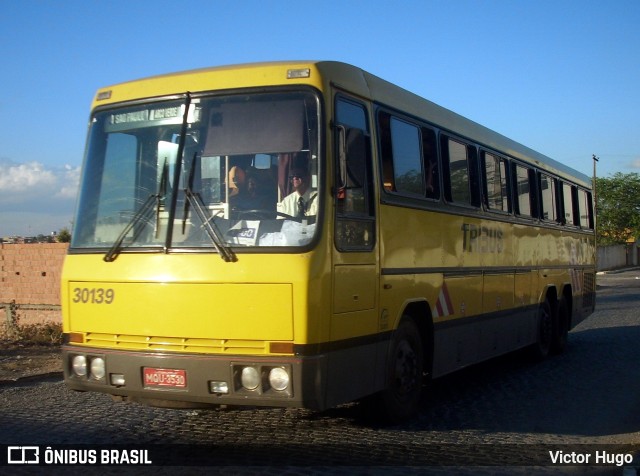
(409, 157)
(567, 200)
(460, 175)
(407, 163)
(523, 191)
(496, 185)
(549, 200)
(585, 209)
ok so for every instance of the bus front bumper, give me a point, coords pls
(188, 380)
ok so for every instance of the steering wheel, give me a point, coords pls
(310, 218)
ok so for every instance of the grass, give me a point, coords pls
(47, 333)
(41, 333)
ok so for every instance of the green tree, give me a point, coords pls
(64, 236)
(618, 208)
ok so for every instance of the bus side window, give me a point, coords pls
(548, 200)
(401, 156)
(460, 174)
(496, 185)
(524, 196)
(585, 208)
(409, 156)
(568, 205)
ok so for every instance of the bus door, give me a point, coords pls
(355, 264)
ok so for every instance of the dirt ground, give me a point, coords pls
(19, 361)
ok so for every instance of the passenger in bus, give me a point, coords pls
(302, 201)
(236, 180)
(250, 197)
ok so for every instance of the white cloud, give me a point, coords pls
(15, 177)
(69, 186)
(24, 183)
(35, 196)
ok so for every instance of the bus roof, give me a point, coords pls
(342, 75)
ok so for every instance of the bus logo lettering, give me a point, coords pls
(481, 239)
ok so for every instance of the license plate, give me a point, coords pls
(171, 378)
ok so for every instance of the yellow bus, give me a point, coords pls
(304, 234)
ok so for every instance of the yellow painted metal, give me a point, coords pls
(354, 288)
(169, 302)
(214, 311)
(486, 265)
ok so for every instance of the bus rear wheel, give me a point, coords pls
(561, 327)
(401, 399)
(545, 331)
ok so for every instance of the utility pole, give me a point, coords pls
(595, 210)
(595, 201)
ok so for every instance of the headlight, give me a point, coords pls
(79, 365)
(98, 368)
(250, 378)
(278, 379)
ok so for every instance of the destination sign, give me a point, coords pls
(146, 115)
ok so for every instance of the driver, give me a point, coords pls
(302, 201)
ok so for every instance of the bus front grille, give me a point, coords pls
(176, 344)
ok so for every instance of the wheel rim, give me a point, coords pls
(546, 327)
(406, 369)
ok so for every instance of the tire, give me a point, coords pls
(545, 331)
(561, 327)
(404, 374)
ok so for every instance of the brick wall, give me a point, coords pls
(30, 276)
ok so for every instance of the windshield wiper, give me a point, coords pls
(194, 200)
(162, 192)
(112, 254)
(154, 198)
(191, 200)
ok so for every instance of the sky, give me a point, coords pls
(559, 76)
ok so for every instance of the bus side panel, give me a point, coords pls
(462, 342)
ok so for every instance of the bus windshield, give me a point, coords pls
(214, 172)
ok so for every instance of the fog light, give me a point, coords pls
(79, 365)
(98, 368)
(279, 379)
(218, 387)
(117, 380)
(250, 378)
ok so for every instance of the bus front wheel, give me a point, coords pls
(405, 365)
